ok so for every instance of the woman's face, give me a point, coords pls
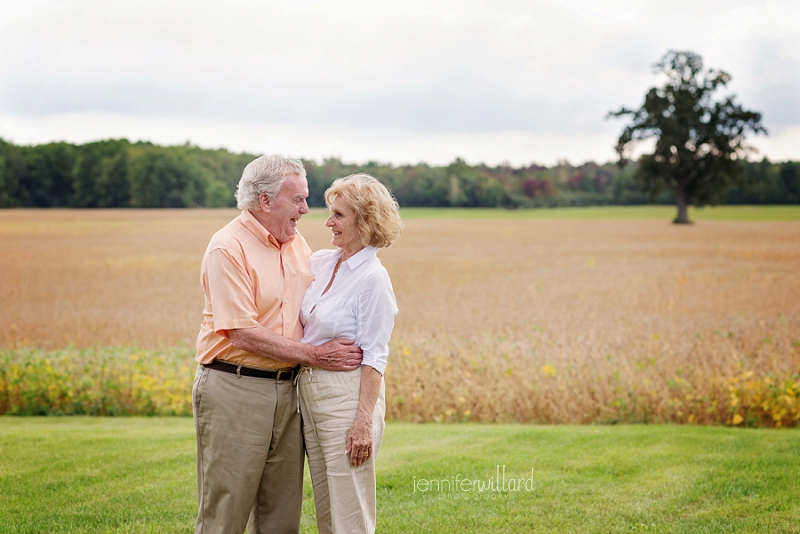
(342, 222)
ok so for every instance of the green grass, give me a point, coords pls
(99, 474)
(666, 213)
(82, 474)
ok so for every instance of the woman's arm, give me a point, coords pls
(359, 440)
(377, 308)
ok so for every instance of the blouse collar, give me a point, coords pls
(359, 257)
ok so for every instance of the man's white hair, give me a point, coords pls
(265, 174)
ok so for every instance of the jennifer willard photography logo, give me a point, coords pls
(459, 487)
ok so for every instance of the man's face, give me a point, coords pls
(287, 207)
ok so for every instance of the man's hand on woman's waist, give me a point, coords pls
(335, 355)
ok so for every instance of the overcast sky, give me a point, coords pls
(401, 82)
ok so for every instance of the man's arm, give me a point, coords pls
(335, 355)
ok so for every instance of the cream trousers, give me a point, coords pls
(344, 496)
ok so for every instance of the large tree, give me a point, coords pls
(699, 139)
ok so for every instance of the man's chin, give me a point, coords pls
(287, 236)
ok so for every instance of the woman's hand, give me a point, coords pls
(359, 441)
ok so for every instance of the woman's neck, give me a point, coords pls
(349, 253)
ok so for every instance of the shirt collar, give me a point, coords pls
(360, 257)
(251, 223)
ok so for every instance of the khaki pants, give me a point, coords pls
(344, 496)
(249, 454)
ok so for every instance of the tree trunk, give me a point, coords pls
(683, 208)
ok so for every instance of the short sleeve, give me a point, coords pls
(377, 309)
(229, 287)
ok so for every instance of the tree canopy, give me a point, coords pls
(699, 139)
(116, 173)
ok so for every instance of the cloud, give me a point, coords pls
(433, 70)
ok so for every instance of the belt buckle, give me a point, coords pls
(288, 371)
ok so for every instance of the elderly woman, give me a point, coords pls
(351, 297)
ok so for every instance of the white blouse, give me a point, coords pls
(359, 305)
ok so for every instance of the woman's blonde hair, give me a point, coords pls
(377, 212)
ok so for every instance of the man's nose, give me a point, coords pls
(304, 207)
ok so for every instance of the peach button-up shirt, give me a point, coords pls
(249, 279)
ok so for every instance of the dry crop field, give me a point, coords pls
(507, 319)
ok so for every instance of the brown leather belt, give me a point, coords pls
(238, 370)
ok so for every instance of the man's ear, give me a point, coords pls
(264, 202)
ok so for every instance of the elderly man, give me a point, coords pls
(254, 274)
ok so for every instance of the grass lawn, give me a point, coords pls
(77, 474)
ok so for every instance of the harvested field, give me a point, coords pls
(519, 319)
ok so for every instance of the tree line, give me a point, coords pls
(117, 173)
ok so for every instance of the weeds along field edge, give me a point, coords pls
(96, 381)
(422, 387)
